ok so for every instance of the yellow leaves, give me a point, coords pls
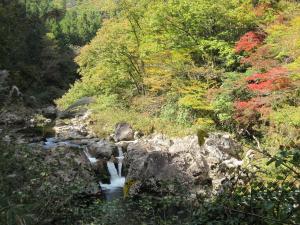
(161, 68)
(204, 123)
(285, 38)
(194, 96)
(294, 69)
(288, 115)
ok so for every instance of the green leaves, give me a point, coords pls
(79, 25)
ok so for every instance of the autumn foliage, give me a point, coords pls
(249, 41)
(275, 79)
(247, 113)
(261, 85)
(261, 59)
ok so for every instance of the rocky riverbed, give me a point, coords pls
(151, 164)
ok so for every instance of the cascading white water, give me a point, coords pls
(116, 179)
(120, 161)
(91, 159)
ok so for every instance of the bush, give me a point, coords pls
(30, 194)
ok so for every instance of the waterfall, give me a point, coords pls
(112, 171)
(116, 179)
(91, 159)
(120, 161)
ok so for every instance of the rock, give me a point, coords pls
(72, 113)
(76, 109)
(124, 144)
(50, 111)
(137, 135)
(10, 118)
(123, 132)
(87, 141)
(72, 168)
(221, 146)
(156, 163)
(75, 128)
(6, 139)
(3, 75)
(102, 149)
(15, 92)
(81, 102)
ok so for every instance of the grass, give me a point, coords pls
(104, 121)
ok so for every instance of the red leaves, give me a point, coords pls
(261, 59)
(261, 84)
(275, 79)
(249, 41)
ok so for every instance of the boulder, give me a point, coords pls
(123, 132)
(102, 149)
(156, 163)
(72, 167)
(49, 111)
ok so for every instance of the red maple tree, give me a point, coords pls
(249, 112)
(249, 41)
(274, 79)
(261, 59)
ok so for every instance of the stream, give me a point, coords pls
(112, 190)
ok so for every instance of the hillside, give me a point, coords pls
(149, 112)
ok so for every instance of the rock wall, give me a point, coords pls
(158, 164)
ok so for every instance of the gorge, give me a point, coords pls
(148, 112)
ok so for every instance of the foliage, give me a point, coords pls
(249, 41)
(79, 25)
(104, 121)
(35, 40)
(30, 193)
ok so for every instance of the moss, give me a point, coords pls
(127, 187)
(202, 134)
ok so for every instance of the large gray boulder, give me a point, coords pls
(156, 163)
(72, 166)
(123, 132)
(103, 149)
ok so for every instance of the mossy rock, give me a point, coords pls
(202, 134)
(127, 187)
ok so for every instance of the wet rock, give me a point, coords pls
(123, 132)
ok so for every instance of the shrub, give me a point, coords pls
(249, 42)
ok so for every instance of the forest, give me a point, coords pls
(202, 98)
